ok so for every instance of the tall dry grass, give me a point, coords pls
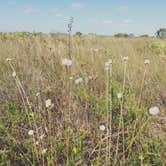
(67, 132)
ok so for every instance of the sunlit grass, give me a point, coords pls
(103, 105)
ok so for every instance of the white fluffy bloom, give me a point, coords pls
(119, 95)
(102, 127)
(146, 61)
(30, 132)
(8, 59)
(67, 62)
(14, 74)
(48, 103)
(42, 136)
(37, 94)
(78, 81)
(44, 151)
(125, 58)
(70, 78)
(108, 64)
(37, 143)
(154, 110)
(96, 50)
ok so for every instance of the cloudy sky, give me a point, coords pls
(90, 16)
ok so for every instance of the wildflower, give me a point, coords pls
(14, 74)
(48, 103)
(125, 58)
(102, 127)
(42, 136)
(78, 81)
(37, 94)
(44, 151)
(119, 95)
(74, 150)
(37, 142)
(8, 59)
(70, 78)
(108, 64)
(146, 61)
(66, 62)
(154, 110)
(30, 132)
(96, 50)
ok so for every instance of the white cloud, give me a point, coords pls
(107, 21)
(123, 9)
(127, 21)
(28, 10)
(78, 6)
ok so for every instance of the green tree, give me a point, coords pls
(161, 33)
(78, 34)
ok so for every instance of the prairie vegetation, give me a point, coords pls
(92, 108)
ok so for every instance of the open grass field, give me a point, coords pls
(103, 105)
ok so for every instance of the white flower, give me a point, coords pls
(125, 58)
(78, 81)
(154, 110)
(8, 59)
(48, 103)
(37, 94)
(96, 50)
(102, 127)
(14, 74)
(44, 151)
(37, 142)
(119, 95)
(108, 64)
(146, 61)
(70, 78)
(30, 132)
(42, 136)
(66, 62)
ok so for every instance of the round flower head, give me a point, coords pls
(42, 136)
(119, 95)
(108, 64)
(125, 58)
(70, 78)
(66, 62)
(37, 94)
(154, 110)
(48, 103)
(102, 127)
(14, 74)
(96, 50)
(8, 59)
(146, 61)
(44, 151)
(30, 132)
(78, 81)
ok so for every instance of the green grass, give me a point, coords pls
(70, 126)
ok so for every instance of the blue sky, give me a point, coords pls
(90, 16)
